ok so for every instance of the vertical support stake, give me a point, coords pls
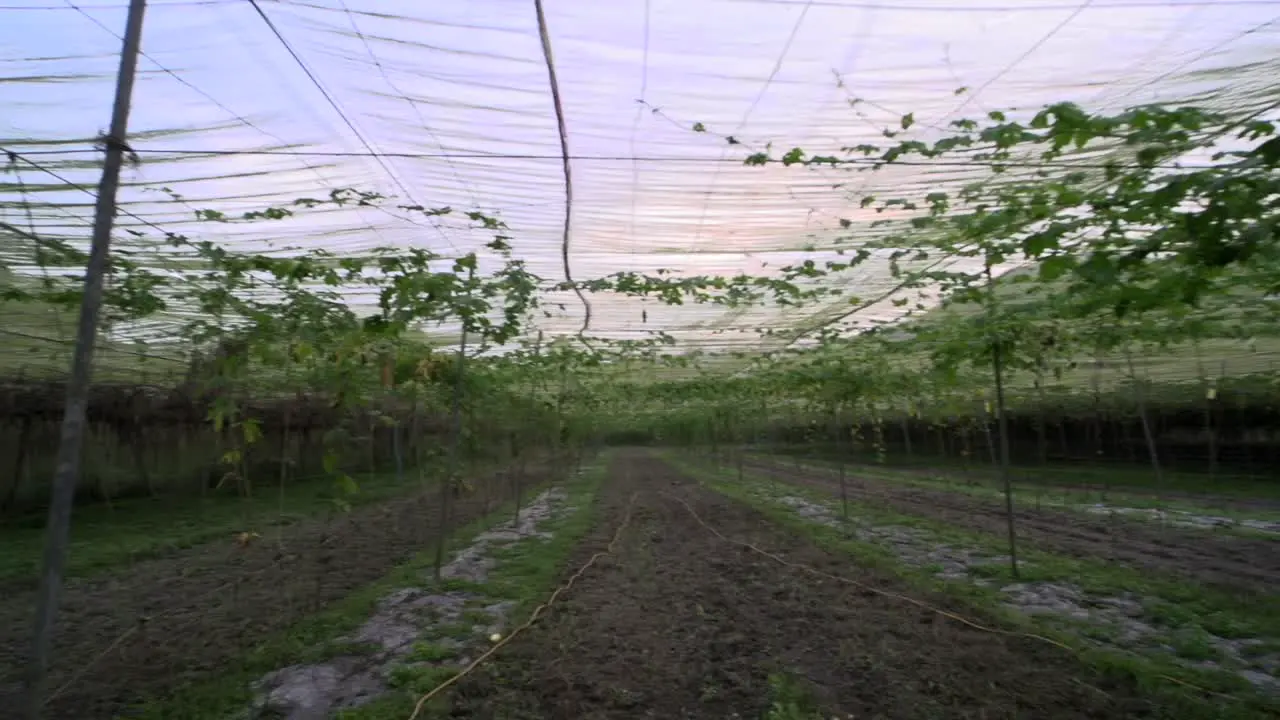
(67, 473)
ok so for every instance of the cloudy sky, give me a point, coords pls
(456, 96)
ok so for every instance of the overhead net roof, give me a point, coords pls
(240, 106)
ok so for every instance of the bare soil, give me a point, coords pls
(147, 629)
(1219, 559)
(680, 624)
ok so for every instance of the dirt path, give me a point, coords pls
(157, 624)
(679, 624)
(1226, 560)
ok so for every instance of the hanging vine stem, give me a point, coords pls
(563, 131)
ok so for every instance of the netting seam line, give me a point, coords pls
(1160, 50)
(674, 159)
(63, 341)
(545, 36)
(631, 146)
(77, 186)
(347, 120)
(800, 334)
(970, 97)
(1202, 55)
(237, 116)
(382, 70)
(777, 66)
(635, 124)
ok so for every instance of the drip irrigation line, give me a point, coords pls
(537, 612)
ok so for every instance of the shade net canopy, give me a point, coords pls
(240, 106)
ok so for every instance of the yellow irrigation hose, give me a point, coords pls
(537, 612)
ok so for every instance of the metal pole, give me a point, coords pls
(67, 472)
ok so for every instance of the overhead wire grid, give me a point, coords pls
(450, 105)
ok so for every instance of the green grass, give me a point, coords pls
(428, 651)
(104, 538)
(790, 699)
(313, 639)
(1187, 611)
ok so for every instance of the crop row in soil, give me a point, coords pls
(1218, 559)
(678, 623)
(143, 631)
(1046, 481)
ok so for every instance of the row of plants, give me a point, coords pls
(1122, 245)
(1135, 251)
(1148, 231)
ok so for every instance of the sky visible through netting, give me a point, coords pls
(240, 106)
